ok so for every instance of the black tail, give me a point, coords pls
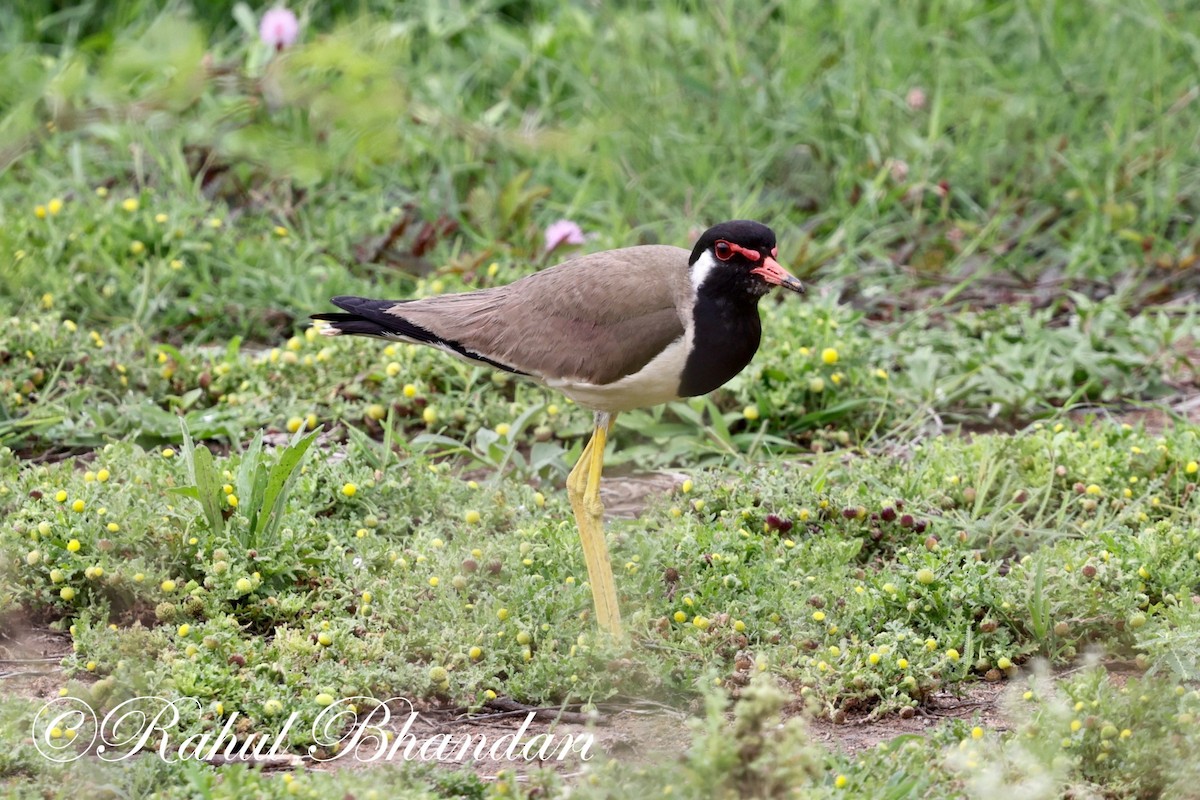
(371, 318)
(368, 317)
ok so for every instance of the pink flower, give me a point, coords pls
(915, 98)
(563, 232)
(279, 28)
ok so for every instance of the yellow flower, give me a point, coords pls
(816, 385)
(840, 781)
(60, 496)
(1191, 468)
(113, 527)
(700, 622)
(167, 586)
(818, 616)
(392, 370)
(130, 204)
(214, 222)
(750, 413)
(77, 506)
(101, 191)
(502, 614)
(73, 545)
(136, 247)
(184, 629)
(434, 581)
(39, 211)
(429, 415)
(160, 218)
(168, 452)
(281, 231)
(475, 653)
(472, 517)
(232, 500)
(952, 654)
(829, 355)
(349, 490)
(1093, 489)
(977, 732)
(874, 658)
(503, 429)
(103, 475)
(66, 593)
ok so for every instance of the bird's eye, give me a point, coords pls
(723, 251)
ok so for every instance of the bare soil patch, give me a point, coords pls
(30, 657)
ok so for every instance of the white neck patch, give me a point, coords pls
(704, 265)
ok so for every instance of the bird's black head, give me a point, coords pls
(739, 254)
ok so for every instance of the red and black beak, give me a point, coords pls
(774, 274)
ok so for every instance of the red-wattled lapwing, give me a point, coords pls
(613, 331)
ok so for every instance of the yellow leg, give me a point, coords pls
(583, 489)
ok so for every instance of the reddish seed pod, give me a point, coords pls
(907, 521)
(888, 514)
(1089, 571)
(778, 523)
(849, 513)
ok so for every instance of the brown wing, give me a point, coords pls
(596, 318)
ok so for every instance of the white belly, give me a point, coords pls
(655, 383)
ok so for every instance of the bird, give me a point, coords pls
(613, 330)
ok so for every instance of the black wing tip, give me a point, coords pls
(361, 316)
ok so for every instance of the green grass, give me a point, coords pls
(924, 483)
